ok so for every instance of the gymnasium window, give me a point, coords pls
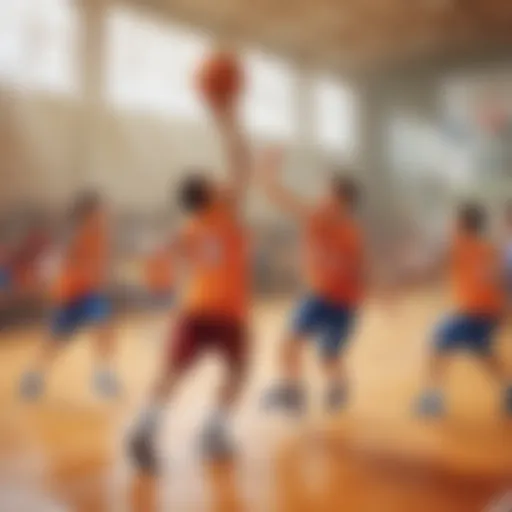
(335, 116)
(269, 102)
(149, 66)
(37, 44)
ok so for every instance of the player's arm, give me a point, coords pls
(270, 165)
(237, 154)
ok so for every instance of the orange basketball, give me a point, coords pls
(220, 79)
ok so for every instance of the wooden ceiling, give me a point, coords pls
(351, 34)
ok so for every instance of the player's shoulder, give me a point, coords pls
(317, 216)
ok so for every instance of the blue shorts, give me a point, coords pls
(85, 311)
(466, 332)
(332, 323)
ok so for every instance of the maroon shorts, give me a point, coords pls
(195, 334)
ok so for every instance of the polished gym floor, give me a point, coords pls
(65, 452)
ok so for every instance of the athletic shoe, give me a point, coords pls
(142, 451)
(31, 385)
(287, 397)
(430, 404)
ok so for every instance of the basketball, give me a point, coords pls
(219, 79)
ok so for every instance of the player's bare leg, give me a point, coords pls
(216, 437)
(288, 393)
(32, 382)
(335, 373)
(143, 439)
(105, 380)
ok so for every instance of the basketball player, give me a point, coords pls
(334, 268)
(78, 297)
(478, 280)
(213, 314)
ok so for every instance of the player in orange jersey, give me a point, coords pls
(478, 283)
(334, 268)
(213, 311)
(78, 296)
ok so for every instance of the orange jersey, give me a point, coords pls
(476, 276)
(334, 258)
(84, 264)
(159, 273)
(217, 259)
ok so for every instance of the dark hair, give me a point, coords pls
(347, 190)
(195, 193)
(84, 204)
(472, 217)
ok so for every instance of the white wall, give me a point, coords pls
(136, 160)
(51, 145)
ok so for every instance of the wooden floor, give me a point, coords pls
(67, 450)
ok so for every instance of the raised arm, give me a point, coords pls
(237, 154)
(270, 165)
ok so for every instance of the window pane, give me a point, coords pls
(38, 43)
(270, 99)
(335, 116)
(150, 65)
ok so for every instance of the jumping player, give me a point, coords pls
(213, 312)
(334, 269)
(78, 297)
(478, 281)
